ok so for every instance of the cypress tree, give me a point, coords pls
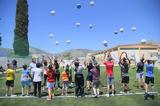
(21, 44)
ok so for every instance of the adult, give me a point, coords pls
(124, 64)
(108, 62)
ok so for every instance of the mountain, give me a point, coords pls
(38, 51)
(5, 52)
(69, 54)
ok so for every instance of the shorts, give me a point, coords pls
(140, 75)
(50, 85)
(10, 83)
(96, 83)
(65, 85)
(125, 80)
(110, 80)
(149, 80)
(89, 77)
(26, 83)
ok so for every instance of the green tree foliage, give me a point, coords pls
(21, 44)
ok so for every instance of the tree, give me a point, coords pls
(21, 44)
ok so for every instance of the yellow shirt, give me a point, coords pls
(10, 74)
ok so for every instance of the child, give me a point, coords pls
(89, 76)
(37, 78)
(25, 80)
(140, 73)
(149, 78)
(10, 77)
(45, 73)
(109, 74)
(79, 79)
(65, 79)
(50, 81)
(69, 71)
(124, 65)
(96, 80)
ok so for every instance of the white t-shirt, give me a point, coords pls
(37, 73)
(32, 65)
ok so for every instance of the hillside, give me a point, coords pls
(76, 53)
(4, 52)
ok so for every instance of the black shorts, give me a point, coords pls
(89, 78)
(149, 80)
(10, 83)
(125, 80)
(96, 83)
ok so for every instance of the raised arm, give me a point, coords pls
(127, 59)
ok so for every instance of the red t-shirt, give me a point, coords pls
(109, 68)
(51, 76)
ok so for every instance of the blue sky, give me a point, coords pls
(106, 16)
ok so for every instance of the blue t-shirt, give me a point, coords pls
(25, 75)
(149, 70)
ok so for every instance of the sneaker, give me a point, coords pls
(13, 95)
(121, 92)
(29, 94)
(107, 95)
(6, 95)
(22, 95)
(152, 97)
(145, 96)
(112, 94)
(95, 96)
(49, 99)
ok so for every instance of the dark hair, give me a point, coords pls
(50, 67)
(9, 66)
(45, 63)
(67, 68)
(76, 63)
(24, 66)
(93, 57)
(142, 60)
(55, 61)
(38, 65)
(124, 59)
(149, 61)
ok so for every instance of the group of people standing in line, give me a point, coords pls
(50, 71)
